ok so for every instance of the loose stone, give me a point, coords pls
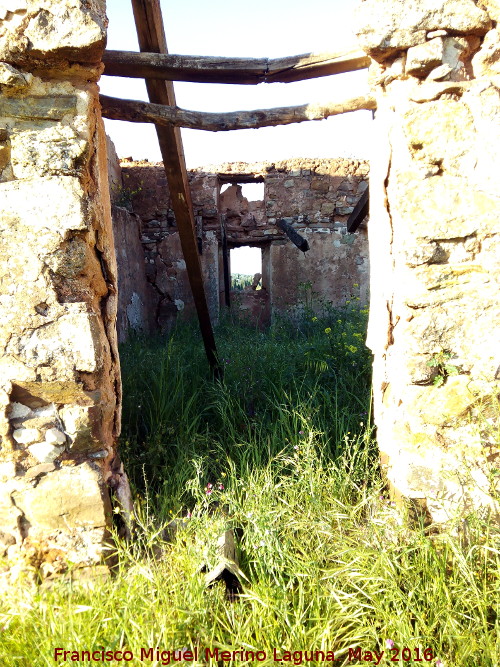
(55, 437)
(25, 436)
(45, 452)
(19, 411)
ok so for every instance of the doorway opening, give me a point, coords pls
(242, 215)
(245, 265)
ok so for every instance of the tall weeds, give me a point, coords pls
(283, 451)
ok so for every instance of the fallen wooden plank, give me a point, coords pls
(151, 35)
(246, 71)
(226, 568)
(171, 116)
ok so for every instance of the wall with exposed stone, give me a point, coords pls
(314, 196)
(434, 244)
(59, 368)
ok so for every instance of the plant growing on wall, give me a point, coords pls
(443, 369)
(124, 197)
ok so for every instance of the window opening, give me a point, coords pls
(253, 191)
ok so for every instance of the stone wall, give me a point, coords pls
(315, 196)
(59, 369)
(434, 248)
(433, 243)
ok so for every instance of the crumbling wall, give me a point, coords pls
(314, 196)
(135, 293)
(317, 197)
(59, 369)
(434, 244)
(239, 213)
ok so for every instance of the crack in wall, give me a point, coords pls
(389, 304)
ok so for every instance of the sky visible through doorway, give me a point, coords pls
(267, 29)
(246, 261)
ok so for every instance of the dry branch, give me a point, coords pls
(212, 69)
(172, 116)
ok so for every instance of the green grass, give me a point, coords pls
(329, 563)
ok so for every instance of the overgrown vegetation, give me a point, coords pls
(284, 452)
(240, 280)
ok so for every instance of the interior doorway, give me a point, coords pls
(241, 210)
(245, 264)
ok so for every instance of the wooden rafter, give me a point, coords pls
(151, 34)
(293, 235)
(247, 71)
(240, 178)
(172, 116)
(359, 212)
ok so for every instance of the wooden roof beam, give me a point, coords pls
(151, 34)
(171, 116)
(359, 213)
(239, 178)
(246, 71)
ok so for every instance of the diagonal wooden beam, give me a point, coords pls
(136, 111)
(243, 71)
(359, 212)
(151, 35)
(293, 235)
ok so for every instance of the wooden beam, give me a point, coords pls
(239, 178)
(359, 212)
(151, 34)
(172, 116)
(225, 262)
(247, 71)
(293, 235)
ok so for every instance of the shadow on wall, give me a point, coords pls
(315, 198)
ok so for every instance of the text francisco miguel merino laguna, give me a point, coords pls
(164, 657)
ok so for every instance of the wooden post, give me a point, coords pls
(225, 262)
(151, 35)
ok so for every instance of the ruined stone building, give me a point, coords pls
(315, 196)
(433, 247)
